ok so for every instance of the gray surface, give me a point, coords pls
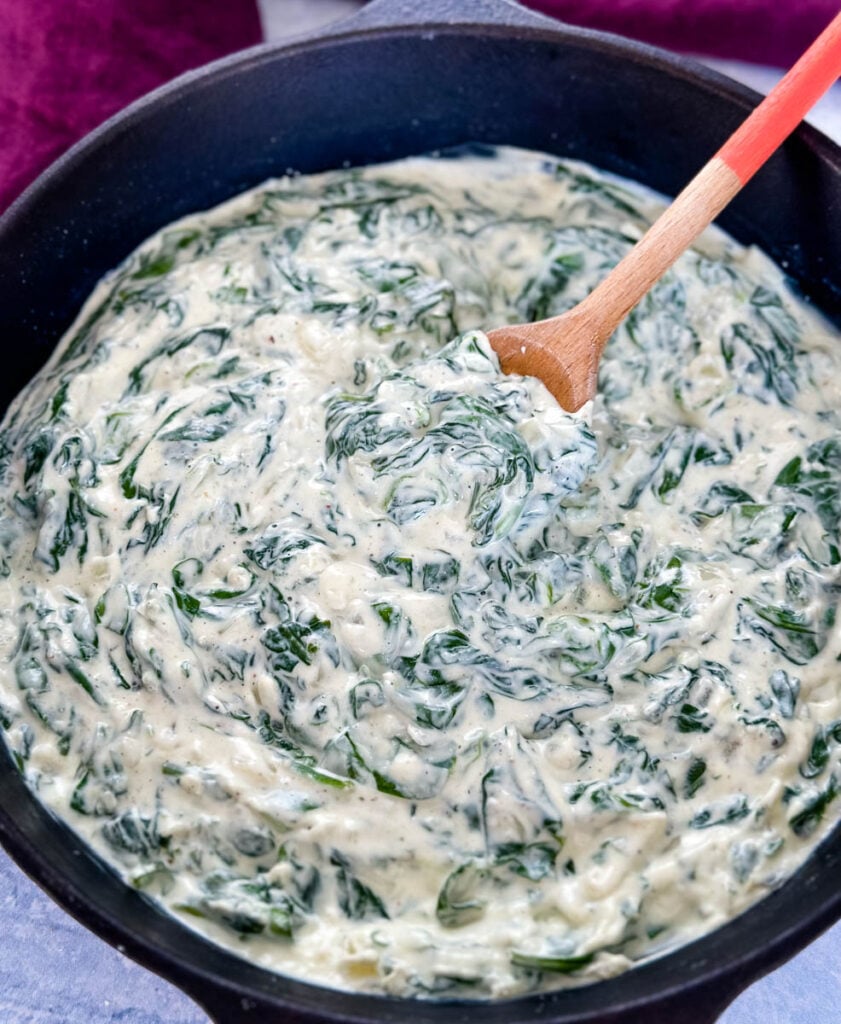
(52, 971)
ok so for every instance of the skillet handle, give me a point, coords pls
(249, 1012)
(693, 1006)
(696, 1004)
(394, 13)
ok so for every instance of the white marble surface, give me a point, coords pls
(53, 971)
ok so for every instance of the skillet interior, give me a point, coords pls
(361, 96)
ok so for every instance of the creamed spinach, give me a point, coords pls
(372, 663)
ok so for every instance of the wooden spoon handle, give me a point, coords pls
(697, 206)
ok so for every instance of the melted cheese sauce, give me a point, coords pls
(373, 664)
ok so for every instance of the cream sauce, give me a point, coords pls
(372, 663)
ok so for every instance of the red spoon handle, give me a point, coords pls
(785, 106)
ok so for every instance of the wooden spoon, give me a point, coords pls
(564, 351)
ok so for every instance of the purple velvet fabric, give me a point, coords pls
(772, 32)
(66, 65)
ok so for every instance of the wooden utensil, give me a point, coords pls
(564, 351)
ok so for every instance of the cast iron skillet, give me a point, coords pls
(402, 78)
